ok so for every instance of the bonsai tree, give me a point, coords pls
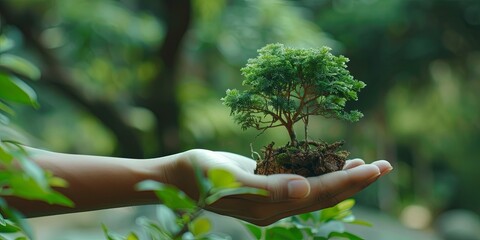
(285, 86)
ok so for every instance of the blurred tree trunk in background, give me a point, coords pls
(159, 96)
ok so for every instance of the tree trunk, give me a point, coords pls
(161, 94)
(292, 134)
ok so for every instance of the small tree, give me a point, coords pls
(287, 85)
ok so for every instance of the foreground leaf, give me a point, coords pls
(20, 66)
(152, 229)
(219, 193)
(200, 226)
(5, 44)
(15, 90)
(109, 235)
(221, 178)
(283, 233)
(9, 227)
(6, 109)
(347, 235)
(169, 195)
(255, 230)
(167, 220)
(2, 220)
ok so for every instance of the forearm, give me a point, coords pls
(95, 182)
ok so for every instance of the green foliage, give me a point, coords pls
(179, 217)
(19, 176)
(286, 85)
(15, 90)
(324, 224)
(19, 66)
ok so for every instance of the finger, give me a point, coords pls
(263, 214)
(330, 202)
(285, 187)
(334, 190)
(384, 166)
(281, 187)
(353, 163)
(327, 190)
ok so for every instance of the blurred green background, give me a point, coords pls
(143, 79)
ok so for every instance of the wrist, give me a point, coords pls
(176, 170)
(166, 170)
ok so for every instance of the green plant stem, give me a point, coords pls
(264, 233)
(184, 228)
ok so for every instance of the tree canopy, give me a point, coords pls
(286, 85)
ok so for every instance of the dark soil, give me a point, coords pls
(307, 159)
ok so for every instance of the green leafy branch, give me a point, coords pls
(320, 225)
(180, 217)
(19, 176)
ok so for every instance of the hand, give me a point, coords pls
(289, 194)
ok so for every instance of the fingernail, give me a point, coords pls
(384, 166)
(298, 188)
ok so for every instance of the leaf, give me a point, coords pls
(56, 181)
(7, 109)
(304, 216)
(216, 236)
(169, 195)
(26, 187)
(255, 230)
(360, 222)
(9, 227)
(332, 226)
(53, 197)
(15, 90)
(5, 44)
(5, 155)
(200, 226)
(283, 233)
(234, 191)
(132, 236)
(32, 170)
(20, 66)
(167, 220)
(16, 221)
(2, 221)
(109, 235)
(4, 119)
(203, 184)
(338, 212)
(221, 178)
(346, 204)
(347, 235)
(152, 229)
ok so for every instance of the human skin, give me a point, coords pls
(97, 182)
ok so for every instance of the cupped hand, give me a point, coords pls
(289, 194)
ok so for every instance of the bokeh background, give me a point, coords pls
(141, 79)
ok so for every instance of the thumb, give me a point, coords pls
(281, 187)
